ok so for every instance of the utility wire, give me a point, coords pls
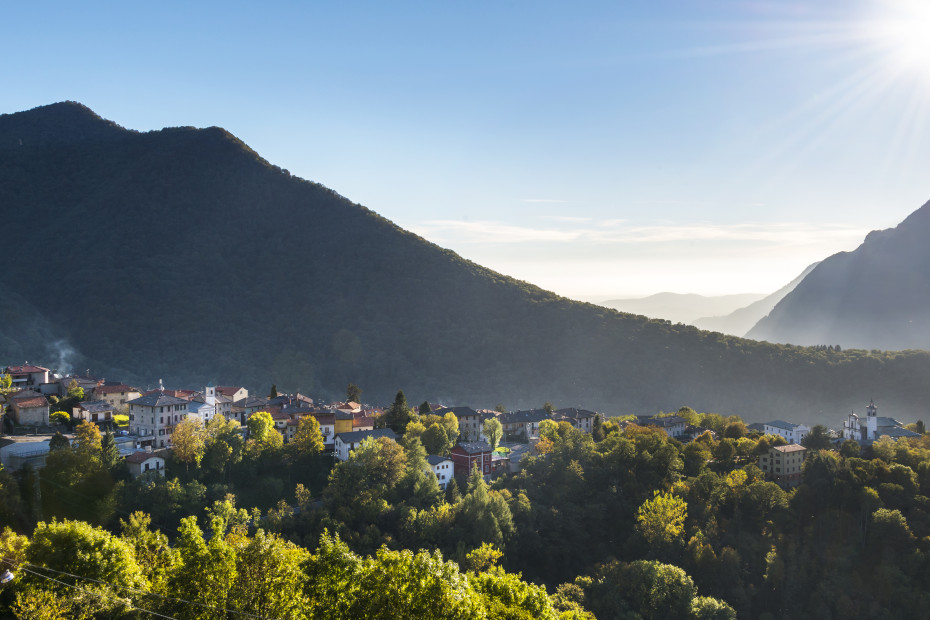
(135, 590)
(77, 587)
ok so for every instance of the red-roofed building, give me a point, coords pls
(29, 407)
(27, 376)
(145, 463)
(117, 395)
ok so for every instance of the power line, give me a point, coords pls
(135, 590)
(77, 587)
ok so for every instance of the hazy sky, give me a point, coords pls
(597, 149)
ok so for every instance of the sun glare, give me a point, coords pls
(901, 29)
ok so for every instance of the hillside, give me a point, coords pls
(875, 297)
(682, 308)
(740, 321)
(181, 254)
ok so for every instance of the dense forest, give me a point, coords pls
(181, 255)
(619, 523)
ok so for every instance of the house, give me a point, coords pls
(152, 418)
(145, 463)
(782, 464)
(27, 376)
(522, 424)
(209, 403)
(794, 433)
(233, 393)
(443, 467)
(516, 454)
(245, 407)
(93, 411)
(470, 454)
(471, 422)
(88, 384)
(29, 408)
(874, 427)
(582, 419)
(363, 423)
(346, 442)
(118, 395)
(674, 426)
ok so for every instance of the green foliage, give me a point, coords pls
(661, 519)
(308, 440)
(493, 431)
(189, 441)
(353, 393)
(399, 415)
(818, 438)
(59, 417)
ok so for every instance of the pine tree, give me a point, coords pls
(110, 456)
(274, 391)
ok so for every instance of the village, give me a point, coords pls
(143, 422)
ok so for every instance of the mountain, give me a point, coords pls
(181, 254)
(682, 308)
(875, 297)
(740, 321)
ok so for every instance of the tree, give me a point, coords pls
(493, 431)
(661, 520)
(500, 408)
(207, 571)
(818, 438)
(399, 415)
(735, 429)
(260, 424)
(87, 440)
(189, 441)
(436, 440)
(548, 407)
(353, 393)
(59, 417)
(58, 442)
(274, 391)
(425, 408)
(308, 441)
(100, 558)
(109, 454)
(850, 449)
(597, 429)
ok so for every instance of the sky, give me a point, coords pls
(596, 149)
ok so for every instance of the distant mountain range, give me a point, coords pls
(682, 308)
(740, 321)
(875, 297)
(181, 254)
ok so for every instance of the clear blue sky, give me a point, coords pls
(597, 149)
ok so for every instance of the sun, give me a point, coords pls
(900, 30)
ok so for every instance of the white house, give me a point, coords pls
(346, 442)
(794, 433)
(443, 467)
(93, 411)
(141, 463)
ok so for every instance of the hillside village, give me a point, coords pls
(568, 499)
(144, 421)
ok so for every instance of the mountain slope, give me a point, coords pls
(740, 321)
(875, 297)
(181, 254)
(682, 308)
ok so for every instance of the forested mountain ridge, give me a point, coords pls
(181, 254)
(874, 297)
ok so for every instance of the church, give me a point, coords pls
(873, 426)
